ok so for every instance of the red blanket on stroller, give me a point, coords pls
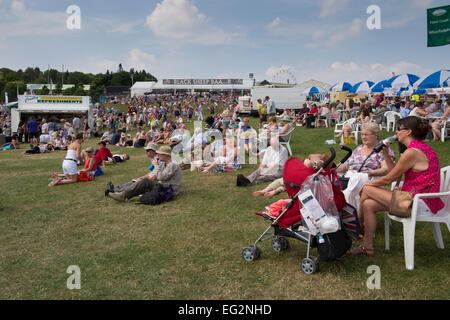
(295, 172)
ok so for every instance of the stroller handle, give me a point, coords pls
(349, 153)
(331, 159)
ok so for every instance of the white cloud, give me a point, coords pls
(275, 23)
(21, 21)
(328, 36)
(140, 60)
(331, 7)
(182, 21)
(354, 72)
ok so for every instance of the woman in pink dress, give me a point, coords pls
(420, 166)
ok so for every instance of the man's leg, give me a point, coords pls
(265, 178)
(141, 187)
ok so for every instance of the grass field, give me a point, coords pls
(186, 249)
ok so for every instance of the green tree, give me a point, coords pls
(43, 91)
(11, 87)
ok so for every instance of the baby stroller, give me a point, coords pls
(329, 227)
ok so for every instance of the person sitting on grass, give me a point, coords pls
(14, 144)
(70, 170)
(228, 161)
(166, 179)
(150, 151)
(271, 167)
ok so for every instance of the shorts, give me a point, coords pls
(70, 167)
(34, 135)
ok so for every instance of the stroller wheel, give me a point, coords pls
(251, 253)
(309, 265)
(280, 244)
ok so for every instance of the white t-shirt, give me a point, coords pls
(45, 128)
(272, 157)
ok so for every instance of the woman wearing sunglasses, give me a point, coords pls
(420, 166)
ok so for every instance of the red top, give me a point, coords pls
(102, 155)
(314, 110)
(419, 182)
(88, 163)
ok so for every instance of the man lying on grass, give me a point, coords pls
(159, 186)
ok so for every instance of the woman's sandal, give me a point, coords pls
(362, 250)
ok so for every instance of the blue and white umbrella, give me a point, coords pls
(380, 86)
(341, 86)
(402, 81)
(362, 87)
(313, 90)
(438, 79)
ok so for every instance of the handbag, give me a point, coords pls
(401, 201)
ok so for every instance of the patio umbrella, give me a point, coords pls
(402, 81)
(380, 86)
(313, 90)
(341, 86)
(437, 79)
(362, 87)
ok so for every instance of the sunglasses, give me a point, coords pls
(402, 128)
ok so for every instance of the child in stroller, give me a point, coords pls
(304, 181)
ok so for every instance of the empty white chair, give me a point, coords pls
(391, 119)
(409, 224)
(445, 130)
(286, 138)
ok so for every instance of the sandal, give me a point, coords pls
(362, 250)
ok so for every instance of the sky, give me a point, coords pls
(276, 40)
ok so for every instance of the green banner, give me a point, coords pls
(438, 21)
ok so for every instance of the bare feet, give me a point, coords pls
(270, 193)
(257, 193)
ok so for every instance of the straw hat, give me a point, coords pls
(285, 118)
(164, 150)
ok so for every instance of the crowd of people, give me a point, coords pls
(160, 125)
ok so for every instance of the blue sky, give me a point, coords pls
(326, 40)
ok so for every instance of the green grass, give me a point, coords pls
(186, 249)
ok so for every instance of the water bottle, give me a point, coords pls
(320, 238)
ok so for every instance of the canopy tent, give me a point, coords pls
(313, 90)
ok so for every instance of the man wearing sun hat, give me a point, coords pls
(150, 151)
(165, 180)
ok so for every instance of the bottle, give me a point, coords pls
(384, 143)
(320, 238)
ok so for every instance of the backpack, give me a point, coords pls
(158, 195)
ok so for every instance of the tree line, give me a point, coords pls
(12, 81)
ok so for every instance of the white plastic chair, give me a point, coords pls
(445, 130)
(340, 126)
(326, 120)
(391, 118)
(409, 224)
(287, 138)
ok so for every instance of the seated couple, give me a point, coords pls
(226, 156)
(164, 179)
